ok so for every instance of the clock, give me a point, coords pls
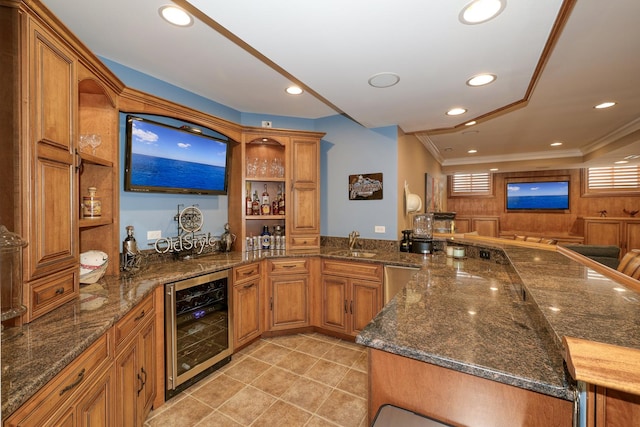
(190, 219)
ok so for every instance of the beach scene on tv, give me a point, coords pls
(538, 195)
(166, 157)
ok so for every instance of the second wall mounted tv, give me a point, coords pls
(164, 159)
(538, 195)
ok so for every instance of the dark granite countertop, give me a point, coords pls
(507, 339)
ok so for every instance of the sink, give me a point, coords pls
(357, 254)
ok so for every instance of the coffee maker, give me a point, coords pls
(422, 240)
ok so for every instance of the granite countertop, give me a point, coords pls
(507, 339)
(504, 321)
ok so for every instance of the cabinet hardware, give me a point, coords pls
(140, 316)
(144, 381)
(250, 285)
(141, 384)
(345, 307)
(271, 303)
(73, 384)
(59, 291)
(79, 165)
(289, 266)
(351, 307)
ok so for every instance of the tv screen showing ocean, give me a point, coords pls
(538, 202)
(150, 171)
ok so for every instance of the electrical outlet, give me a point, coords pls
(379, 229)
(266, 123)
(485, 254)
(154, 235)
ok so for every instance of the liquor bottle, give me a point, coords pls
(266, 203)
(248, 204)
(274, 206)
(255, 204)
(281, 209)
(265, 238)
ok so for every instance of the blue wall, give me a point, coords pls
(347, 149)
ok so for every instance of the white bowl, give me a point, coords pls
(93, 265)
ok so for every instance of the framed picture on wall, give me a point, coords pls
(365, 186)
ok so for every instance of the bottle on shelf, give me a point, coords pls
(255, 204)
(266, 203)
(248, 204)
(265, 238)
(281, 209)
(91, 204)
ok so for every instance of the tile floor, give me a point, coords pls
(298, 380)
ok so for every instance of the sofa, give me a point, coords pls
(604, 254)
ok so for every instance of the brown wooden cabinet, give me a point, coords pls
(81, 394)
(286, 162)
(288, 293)
(247, 307)
(351, 295)
(135, 363)
(622, 232)
(60, 91)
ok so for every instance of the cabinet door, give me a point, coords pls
(246, 311)
(335, 303)
(95, 407)
(147, 361)
(632, 235)
(603, 232)
(366, 302)
(52, 218)
(289, 301)
(128, 384)
(304, 205)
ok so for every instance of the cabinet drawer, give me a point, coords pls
(246, 272)
(51, 292)
(361, 270)
(57, 392)
(128, 325)
(289, 266)
(302, 242)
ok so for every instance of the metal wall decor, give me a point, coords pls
(365, 186)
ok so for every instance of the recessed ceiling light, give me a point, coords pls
(294, 90)
(493, 169)
(382, 80)
(472, 151)
(176, 16)
(607, 104)
(632, 157)
(479, 11)
(456, 111)
(481, 80)
(621, 162)
(471, 123)
(556, 144)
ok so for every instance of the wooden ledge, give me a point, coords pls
(603, 365)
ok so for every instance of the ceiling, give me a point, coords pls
(554, 61)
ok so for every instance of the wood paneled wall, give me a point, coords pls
(541, 223)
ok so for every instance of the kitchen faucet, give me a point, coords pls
(353, 239)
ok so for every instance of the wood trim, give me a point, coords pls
(604, 365)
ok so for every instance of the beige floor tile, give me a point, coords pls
(275, 381)
(354, 382)
(342, 355)
(289, 341)
(361, 363)
(327, 372)
(307, 394)
(186, 412)
(217, 419)
(247, 370)
(247, 405)
(314, 347)
(316, 421)
(217, 391)
(282, 414)
(297, 362)
(270, 353)
(343, 409)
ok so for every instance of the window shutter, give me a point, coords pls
(612, 180)
(470, 184)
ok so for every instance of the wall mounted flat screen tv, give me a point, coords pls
(538, 195)
(164, 159)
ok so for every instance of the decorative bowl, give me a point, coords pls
(93, 265)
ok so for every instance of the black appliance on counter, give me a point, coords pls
(405, 243)
(197, 329)
(422, 240)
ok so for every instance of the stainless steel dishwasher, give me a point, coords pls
(395, 278)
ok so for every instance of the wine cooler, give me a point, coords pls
(197, 329)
